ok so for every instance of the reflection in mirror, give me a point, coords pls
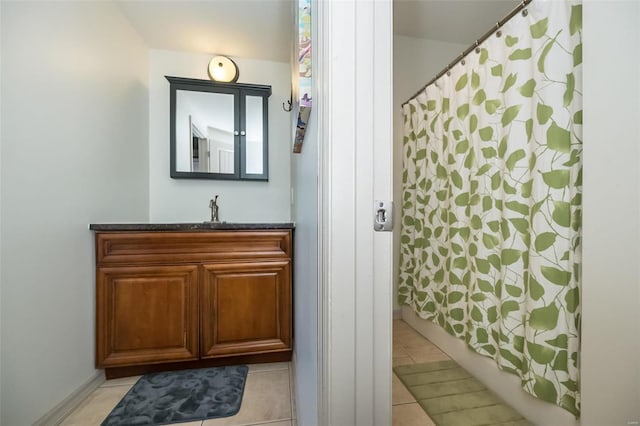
(204, 132)
(254, 126)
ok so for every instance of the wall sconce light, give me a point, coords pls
(223, 69)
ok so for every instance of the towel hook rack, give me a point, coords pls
(287, 106)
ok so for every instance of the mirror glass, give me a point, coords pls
(204, 132)
(254, 136)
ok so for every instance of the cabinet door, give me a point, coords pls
(245, 308)
(146, 315)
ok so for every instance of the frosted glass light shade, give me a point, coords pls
(223, 69)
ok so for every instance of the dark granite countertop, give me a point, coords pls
(192, 226)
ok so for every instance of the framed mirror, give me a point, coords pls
(218, 130)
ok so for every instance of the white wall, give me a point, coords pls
(0, 217)
(305, 278)
(611, 214)
(187, 200)
(304, 178)
(415, 62)
(74, 151)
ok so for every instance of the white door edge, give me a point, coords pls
(355, 274)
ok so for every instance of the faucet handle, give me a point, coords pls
(213, 205)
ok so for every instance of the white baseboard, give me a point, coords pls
(292, 387)
(57, 414)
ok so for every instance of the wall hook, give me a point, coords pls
(287, 106)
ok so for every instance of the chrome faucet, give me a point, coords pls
(213, 205)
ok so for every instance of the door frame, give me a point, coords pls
(355, 132)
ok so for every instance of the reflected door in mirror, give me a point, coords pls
(204, 132)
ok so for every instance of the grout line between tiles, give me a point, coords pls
(266, 422)
(115, 386)
(404, 403)
(266, 371)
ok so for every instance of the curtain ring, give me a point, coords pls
(477, 48)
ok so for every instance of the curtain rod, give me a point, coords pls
(475, 45)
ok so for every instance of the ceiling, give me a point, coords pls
(455, 21)
(258, 29)
(262, 29)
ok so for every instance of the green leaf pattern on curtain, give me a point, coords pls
(490, 240)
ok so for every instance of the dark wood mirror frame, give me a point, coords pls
(239, 91)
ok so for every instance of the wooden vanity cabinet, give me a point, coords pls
(167, 297)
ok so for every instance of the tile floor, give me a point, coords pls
(269, 397)
(409, 347)
(268, 400)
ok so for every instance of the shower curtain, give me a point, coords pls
(492, 187)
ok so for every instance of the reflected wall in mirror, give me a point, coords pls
(218, 130)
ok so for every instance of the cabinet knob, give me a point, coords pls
(235, 132)
(242, 133)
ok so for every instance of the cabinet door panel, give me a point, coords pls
(146, 315)
(246, 308)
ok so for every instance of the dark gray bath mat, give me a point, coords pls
(181, 396)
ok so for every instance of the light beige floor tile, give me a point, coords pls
(399, 352)
(402, 328)
(410, 415)
(427, 355)
(422, 343)
(270, 366)
(408, 340)
(399, 324)
(405, 360)
(122, 381)
(266, 399)
(432, 357)
(410, 347)
(97, 406)
(400, 394)
(413, 340)
(424, 346)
